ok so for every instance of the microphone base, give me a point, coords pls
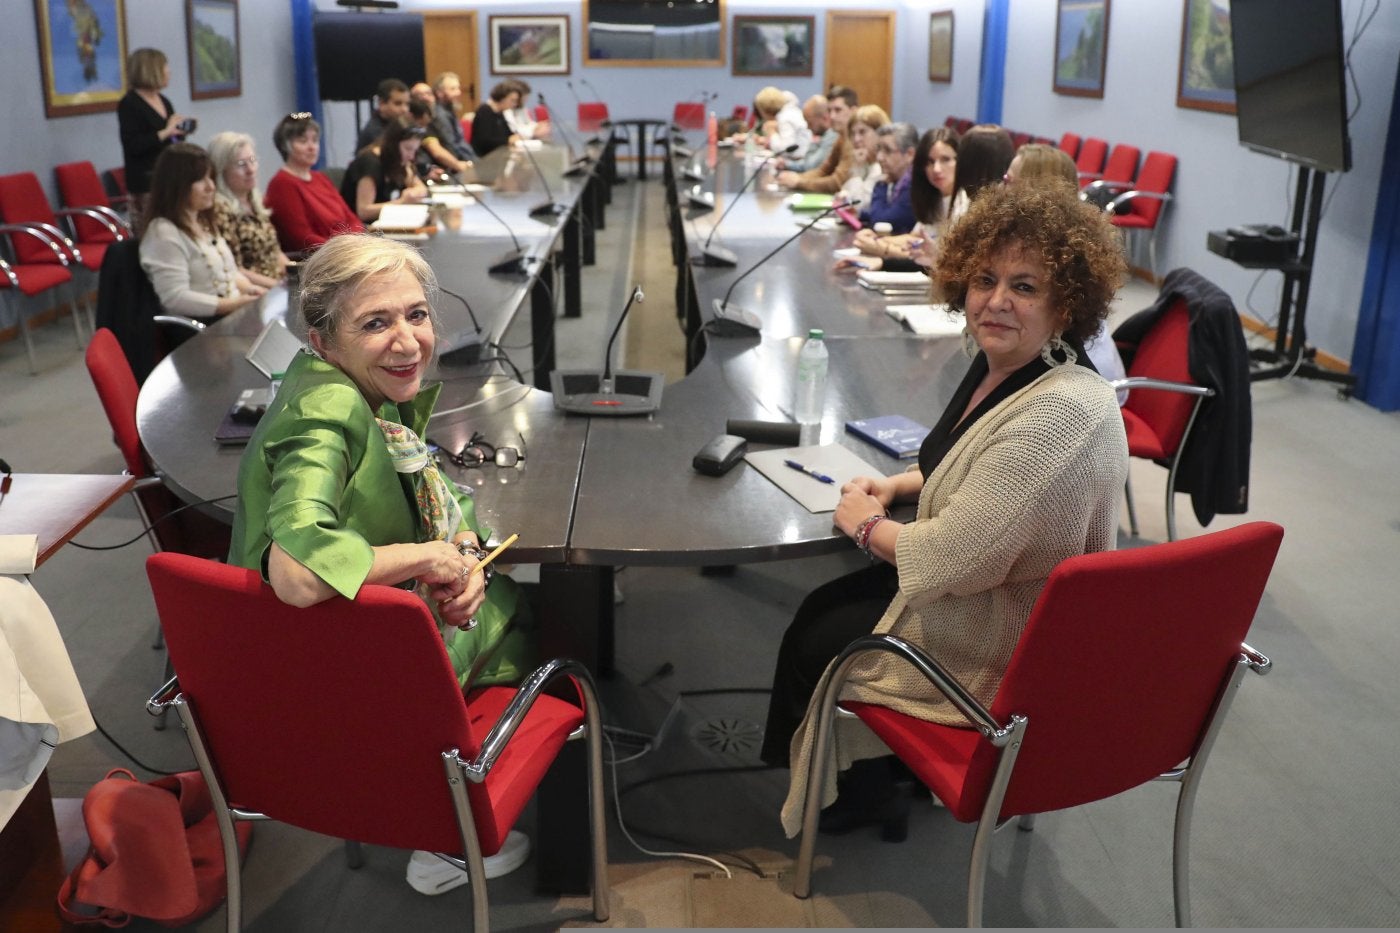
(582, 393)
(462, 349)
(733, 321)
(513, 263)
(715, 256)
(691, 174)
(576, 170)
(682, 152)
(701, 201)
(549, 209)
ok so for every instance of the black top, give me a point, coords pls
(949, 430)
(140, 127)
(371, 131)
(489, 130)
(367, 165)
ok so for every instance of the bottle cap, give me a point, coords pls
(883, 228)
(816, 333)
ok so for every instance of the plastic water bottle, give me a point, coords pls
(811, 379)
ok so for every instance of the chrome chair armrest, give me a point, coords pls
(43, 236)
(61, 237)
(9, 273)
(1256, 659)
(103, 215)
(515, 712)
(946, 683)
(1125, 197)
(164, 698)
(1165, 385)
(1100, 184)
(180, 321)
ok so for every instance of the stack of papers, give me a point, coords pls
(831, 460)
(402, 218)
(928, 320)
(894, 282)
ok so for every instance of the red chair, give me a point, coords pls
(1124, 674)
(35, 262)
(114, 180)
(369, 739)
(592, 116)
(1070, 144)
(1162, 404)
(1019, 139)
(467, 128)
(688, 115)
(1089, 162)
(93, 220)
(740, 113)
(1139, 209)
(541, 114)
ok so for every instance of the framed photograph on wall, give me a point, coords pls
(1081, 47)
(1205, 78)
(529, 45)
(82, 55)
(779, 46)
(211, 28)
(940, 46)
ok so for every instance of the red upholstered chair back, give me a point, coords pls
(541, 113)
(117, 390)
(1020, 139)
(22, 201)
(1164, 354)
(332, 718)
(1070, 144)
(79, 186)
(591, 115)
(1091, 156)
(1156, 176)
(689, 115)
(740, 113)
(1122, 163)
(467, 128)
(1121, 662)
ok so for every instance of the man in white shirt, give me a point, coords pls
(817, 113)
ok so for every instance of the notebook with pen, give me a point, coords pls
(831, 460)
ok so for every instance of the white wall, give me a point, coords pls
(1218, 183)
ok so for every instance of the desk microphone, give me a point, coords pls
(549, 207)
(514, 262)
(578, 101)
(736, 322)
(464, 346)
(718, 255)
(581, 163)
(593, 393)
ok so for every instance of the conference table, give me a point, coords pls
(593, 493)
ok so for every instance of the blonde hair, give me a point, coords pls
(145, 68)
(335, 272)
(872, 115)
(769, 101)
(1041, 163)
(223, 151)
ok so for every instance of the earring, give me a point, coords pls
(1054, 344)
(969, 345)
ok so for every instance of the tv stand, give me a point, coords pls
(1290, 354)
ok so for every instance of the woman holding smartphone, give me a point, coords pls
(148, 123)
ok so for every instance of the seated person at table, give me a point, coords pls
(780, 121)
(936, 203)
(1024, 469)
(890, 201)
(336, 488)
(522, 122)
(817, 112)
(189, 264)
(240, 216)
(447, 89)
(984, 154)
(444, 137)
(391, 100)
(490, 131)
(306, 209)
(865, 168)
(421, 116)
(383, 172)
(828, 175)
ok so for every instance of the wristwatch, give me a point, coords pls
(466, 549)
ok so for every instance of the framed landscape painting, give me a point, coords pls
(529, 45)
(82, 55)
(1205, 78)
(779, 46)
(940, 46)
(1081, 47)
(212, 33)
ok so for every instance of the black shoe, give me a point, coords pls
(868, 796)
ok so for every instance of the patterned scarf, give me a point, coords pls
(442, 516)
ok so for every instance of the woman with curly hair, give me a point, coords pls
(1023, 470)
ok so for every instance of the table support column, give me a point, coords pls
(542, 324)
(573, 258)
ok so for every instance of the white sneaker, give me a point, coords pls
(428, 874)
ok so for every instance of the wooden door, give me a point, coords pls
(449, 44)
(860, 53)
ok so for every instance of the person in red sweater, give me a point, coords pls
(307, 210)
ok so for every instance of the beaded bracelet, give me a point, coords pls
(864, 531)
(466, 549)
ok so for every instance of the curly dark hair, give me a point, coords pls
(1077, 243)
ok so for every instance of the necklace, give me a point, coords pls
(219, 271)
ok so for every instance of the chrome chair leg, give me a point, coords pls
(1132, 509)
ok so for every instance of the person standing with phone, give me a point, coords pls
(148, 123)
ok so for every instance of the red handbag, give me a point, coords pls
(155, 853)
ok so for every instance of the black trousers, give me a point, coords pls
(830, 618)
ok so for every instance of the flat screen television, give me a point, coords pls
(1290, 80)
(355, 51)
(654, 32)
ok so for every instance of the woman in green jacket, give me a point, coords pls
(336, 488)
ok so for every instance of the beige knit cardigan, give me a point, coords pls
(1034, 481)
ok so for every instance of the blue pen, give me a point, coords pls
(812, 473)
